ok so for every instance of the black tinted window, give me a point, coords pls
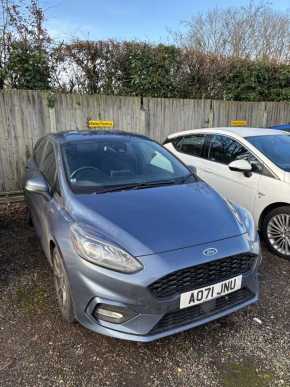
(38, 151)
(225, 150)
(191, 145)
(48, 166)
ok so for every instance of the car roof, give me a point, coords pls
(238, 131)
(80, 135)
(283, 127)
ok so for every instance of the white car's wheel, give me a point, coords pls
(276, 231)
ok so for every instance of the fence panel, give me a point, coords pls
(173, 115)
(27, 115)
(277, 113)
(24, 117)
(225, 111)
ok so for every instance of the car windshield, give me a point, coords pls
(108, 163)
(275, 147)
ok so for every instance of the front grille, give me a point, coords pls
(201, 311)
(202, 275)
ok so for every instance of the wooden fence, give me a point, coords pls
(27, 115)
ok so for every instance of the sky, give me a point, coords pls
(149, 20)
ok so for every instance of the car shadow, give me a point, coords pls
(20, 250)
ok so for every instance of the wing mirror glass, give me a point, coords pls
(37, 184)
(241, 166)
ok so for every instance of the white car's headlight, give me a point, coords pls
(102, 253)
(245, 219)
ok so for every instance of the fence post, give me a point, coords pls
(211, 114)
(145, 114)
(52, 119)
(265, 115)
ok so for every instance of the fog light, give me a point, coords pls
(105, 313)
(112, 313)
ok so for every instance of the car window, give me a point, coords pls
(191, 145)
(275, 147)
(38, 151)
(48, 165)
(223, 149)
(162, 162)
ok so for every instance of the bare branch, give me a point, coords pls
(255, 31)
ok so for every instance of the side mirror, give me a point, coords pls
(192, 169)
(37, 184)
(241, 166)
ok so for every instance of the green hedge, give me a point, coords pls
(134, 68)
(142, 69)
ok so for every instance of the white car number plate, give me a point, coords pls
(207, 293)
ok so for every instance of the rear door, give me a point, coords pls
(191, 150)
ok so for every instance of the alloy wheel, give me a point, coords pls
(60, 281)
(278, 233)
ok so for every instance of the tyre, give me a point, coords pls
(62, 287)
(275, 231)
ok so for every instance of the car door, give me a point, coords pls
(238, 187)
(34, 199)
(48, 205)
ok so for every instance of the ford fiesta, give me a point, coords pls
(140, 247)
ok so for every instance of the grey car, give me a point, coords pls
(140, 247)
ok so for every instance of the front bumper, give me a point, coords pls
(156, 317)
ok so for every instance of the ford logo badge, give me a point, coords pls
(210, 252)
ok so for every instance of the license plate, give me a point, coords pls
(207, 293)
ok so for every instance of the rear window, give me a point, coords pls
(190, 145)
(48, 167)
(38, 151)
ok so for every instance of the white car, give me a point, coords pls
(248, 166)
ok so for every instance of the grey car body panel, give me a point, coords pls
(158, 219)
(166, 227)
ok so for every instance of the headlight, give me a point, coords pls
(102, 253)
(245, 220)
(249, 223)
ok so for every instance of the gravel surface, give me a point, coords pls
(247, 349)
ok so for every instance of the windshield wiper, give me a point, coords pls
(155, 184)
(115, 188)
(148, 184)
(186, 178)
(125, 187)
